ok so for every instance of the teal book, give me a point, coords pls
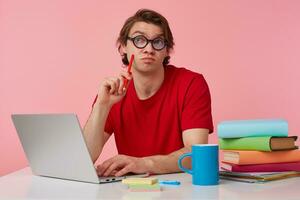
(263, 143)
(253, 128)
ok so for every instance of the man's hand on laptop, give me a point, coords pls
(121, 164)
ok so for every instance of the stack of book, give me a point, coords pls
(257, 146)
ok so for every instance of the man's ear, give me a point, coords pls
(122, 49)
(169, 51)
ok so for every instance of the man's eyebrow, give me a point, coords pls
(141, 32)
(138, 32)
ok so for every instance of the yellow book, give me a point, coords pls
(138, 181)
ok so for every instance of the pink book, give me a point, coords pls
(270, 167)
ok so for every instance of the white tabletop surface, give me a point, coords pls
(23, 185)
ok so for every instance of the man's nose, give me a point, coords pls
(148, 48)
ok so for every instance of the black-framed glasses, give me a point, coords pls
(141, 42)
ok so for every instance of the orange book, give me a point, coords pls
(260, 157)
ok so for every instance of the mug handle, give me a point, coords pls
(189, 171)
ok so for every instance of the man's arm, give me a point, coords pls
(94, 134)
(168, 163)
(111, 91)
(157, 164)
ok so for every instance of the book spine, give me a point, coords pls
(275, 167)
(252, 128)
(248, 143)
(260, 157)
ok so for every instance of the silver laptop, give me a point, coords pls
(55, 147)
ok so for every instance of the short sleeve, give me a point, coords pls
(197, 106)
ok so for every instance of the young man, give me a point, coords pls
(163, 111)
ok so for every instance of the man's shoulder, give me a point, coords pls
(182, 73)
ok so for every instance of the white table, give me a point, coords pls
(23, 185)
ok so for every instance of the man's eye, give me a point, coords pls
(140, 39)
(158, 41)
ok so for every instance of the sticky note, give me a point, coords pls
(137, 181)
(144, 188)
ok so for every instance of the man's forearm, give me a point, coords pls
(161, 164)
(94, 130)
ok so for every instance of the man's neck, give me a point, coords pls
(146, 85)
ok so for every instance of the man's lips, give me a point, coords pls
(148, 59)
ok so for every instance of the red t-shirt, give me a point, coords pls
(154, 126)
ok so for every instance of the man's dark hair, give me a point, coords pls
(148, 16)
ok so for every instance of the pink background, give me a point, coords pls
(53, 54)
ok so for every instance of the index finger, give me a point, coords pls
(124, 171)
(103, 167)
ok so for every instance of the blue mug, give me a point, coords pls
(205, 164)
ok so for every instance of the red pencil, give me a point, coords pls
(129, 71)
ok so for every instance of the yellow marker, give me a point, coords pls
(138, 181)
